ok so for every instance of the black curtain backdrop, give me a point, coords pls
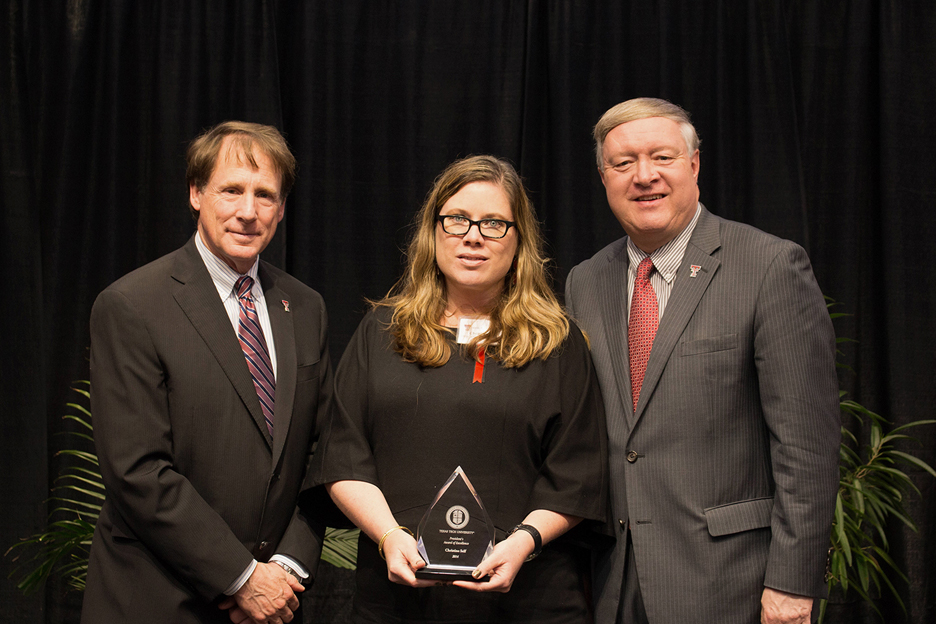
(815, 117)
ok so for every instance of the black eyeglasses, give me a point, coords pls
(457, 225)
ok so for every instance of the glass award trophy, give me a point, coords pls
(455, 534)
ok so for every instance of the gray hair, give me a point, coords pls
(642, 108)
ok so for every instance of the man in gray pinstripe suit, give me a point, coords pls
(724, 462)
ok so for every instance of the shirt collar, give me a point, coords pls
(222, 275)
(667, 258)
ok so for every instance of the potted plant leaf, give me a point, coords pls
(873, 486)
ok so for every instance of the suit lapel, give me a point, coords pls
(197, 296)
(687, 291)
(281, 321)
(614, 313)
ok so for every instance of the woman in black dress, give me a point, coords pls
(470, 361)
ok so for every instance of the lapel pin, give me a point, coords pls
(693, 271)
(286, 303)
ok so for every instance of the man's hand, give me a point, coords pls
(268, 597)
(778, 607)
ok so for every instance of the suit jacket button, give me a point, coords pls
(632, 456)
(621, 522)
(263, 545)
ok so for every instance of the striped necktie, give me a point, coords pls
(255, 350)
(642, 326)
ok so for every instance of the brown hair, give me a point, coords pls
(202, 155)
(527, 321)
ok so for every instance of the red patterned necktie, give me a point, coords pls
(250, 335)
(642, 326)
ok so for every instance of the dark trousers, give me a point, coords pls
(631, 609)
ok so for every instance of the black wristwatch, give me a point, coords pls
(537, 538)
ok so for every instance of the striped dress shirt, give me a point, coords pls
(665, 260)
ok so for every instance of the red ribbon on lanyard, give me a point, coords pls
(479, 367)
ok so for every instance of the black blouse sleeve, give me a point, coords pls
(573, 477)
(345, 451)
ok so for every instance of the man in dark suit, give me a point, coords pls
(715, 355)
(210, 377)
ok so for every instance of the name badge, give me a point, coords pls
(469, 327)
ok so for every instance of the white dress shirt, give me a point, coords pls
(224, 278)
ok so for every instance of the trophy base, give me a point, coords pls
(448, 574)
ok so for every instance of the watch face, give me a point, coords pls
(288, 569)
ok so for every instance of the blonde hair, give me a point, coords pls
(527, 321)
(642, 108)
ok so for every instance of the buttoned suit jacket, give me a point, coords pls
(196, 486)
(726, 472)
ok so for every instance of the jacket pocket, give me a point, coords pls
(121, 532)
(307, 372)
(708, 345)
(740, 516)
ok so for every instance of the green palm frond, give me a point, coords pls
(63, 547)
(873, 486)
(872, 489)
(340, 547)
